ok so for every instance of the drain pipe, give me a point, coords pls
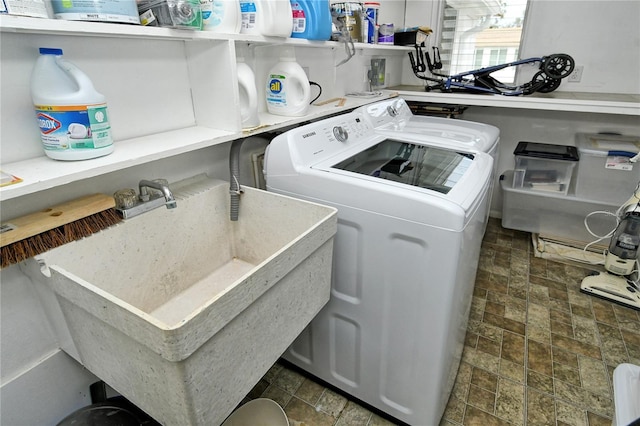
(234, 171)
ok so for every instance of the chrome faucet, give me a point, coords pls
(128, 204)
(160, 186)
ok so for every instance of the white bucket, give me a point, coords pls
(259, 412)
(626, 392)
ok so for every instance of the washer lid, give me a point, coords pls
(421, 166)
(393, 117)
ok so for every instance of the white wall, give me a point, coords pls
(32, 364)
(602, 36)
(392, 11)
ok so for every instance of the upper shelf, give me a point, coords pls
(9, 23)
(42, 173)
(602, 103)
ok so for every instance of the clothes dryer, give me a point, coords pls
(410, 224)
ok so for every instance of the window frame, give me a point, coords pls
(436, 39)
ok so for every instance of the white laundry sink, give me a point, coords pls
(182, 311)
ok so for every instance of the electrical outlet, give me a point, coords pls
(367, 74)
(378, 75)
(576, 74)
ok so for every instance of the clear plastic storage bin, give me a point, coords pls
(604, 172)
(553, 214)
(544, 167)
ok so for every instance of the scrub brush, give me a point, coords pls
(30, 235)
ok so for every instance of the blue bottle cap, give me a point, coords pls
(50, 51)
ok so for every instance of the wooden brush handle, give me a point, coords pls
(50, 218)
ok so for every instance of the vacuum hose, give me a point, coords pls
(234, 172)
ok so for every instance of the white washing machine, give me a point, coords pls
(410, 224)
(393, 117)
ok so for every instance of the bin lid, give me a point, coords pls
(547, 150)
(600, 144)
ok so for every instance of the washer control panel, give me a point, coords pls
(349, 128)
(317, 141)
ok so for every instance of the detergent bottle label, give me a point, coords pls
(206, 7)
(276, 95)
(299, 18)
(217, 13)
(74, 127)
(249, 13)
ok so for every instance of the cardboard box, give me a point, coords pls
(34, 8)
(410, 38)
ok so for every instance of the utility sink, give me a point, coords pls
(182, 311)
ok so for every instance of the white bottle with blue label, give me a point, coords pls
(72, 115)
(221, 16)
(288, 89)
(266, 17)
(248, 95)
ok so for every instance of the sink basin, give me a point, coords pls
(182, 311)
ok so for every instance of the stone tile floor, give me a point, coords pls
(537, 351)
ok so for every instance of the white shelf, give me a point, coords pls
(20, 24)
(43, 173)
(603, 103)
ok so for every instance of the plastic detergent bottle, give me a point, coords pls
(223, 16)
(266, 17)
(371, 12)
(248, 95)
(206, 8)
(73, 118)
(311, 19)
(288, 89)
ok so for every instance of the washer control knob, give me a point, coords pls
(392, 111)
(340, 133)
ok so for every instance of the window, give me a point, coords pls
(481, 33)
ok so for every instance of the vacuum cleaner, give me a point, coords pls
(621, 258)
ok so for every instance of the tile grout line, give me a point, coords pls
(602, 355)
(526, 342)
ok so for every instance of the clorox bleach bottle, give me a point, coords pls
(311, 19)
(248, 94)
(73, 118)
(224, 16)
(266, 17)
(288, 89)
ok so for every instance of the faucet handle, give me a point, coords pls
(125, 198)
